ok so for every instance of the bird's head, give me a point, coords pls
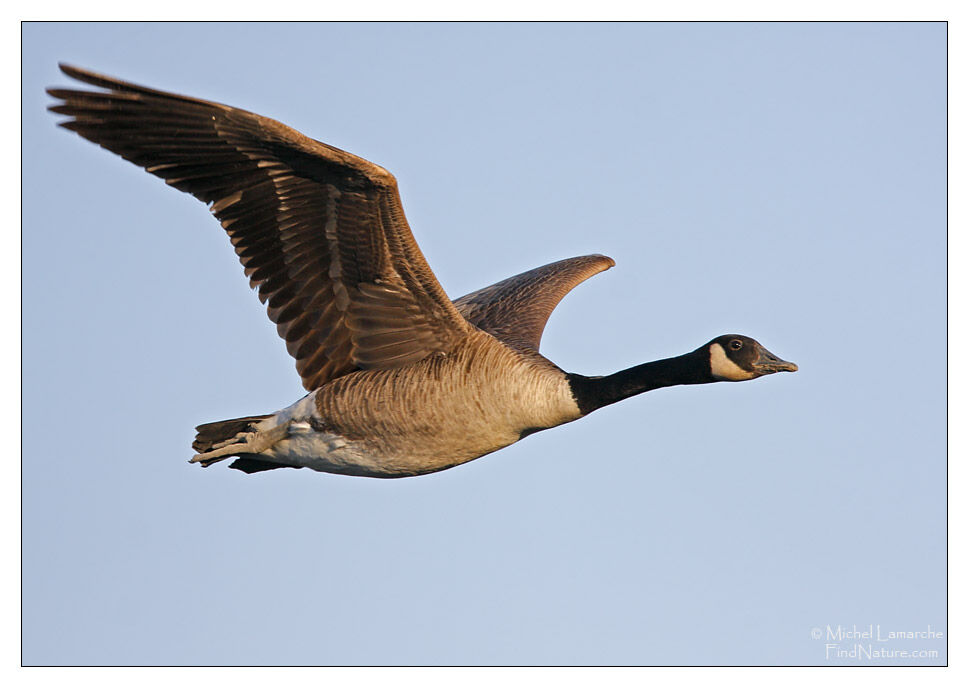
(737, 357)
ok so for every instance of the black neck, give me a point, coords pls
(594, 392)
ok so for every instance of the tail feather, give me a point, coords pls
(251, 465)
(208, 435)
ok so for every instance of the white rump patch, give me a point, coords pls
(722, 368)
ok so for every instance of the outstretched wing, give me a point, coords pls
(320, 232)
(516, 309)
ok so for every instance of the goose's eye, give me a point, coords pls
(735, 344)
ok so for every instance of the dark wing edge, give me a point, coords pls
(516, 309)
(320, 232)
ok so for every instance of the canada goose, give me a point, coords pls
(402, 380)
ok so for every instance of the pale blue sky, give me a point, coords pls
(783, 181)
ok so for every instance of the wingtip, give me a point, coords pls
(80, 74)
(605, 261)
(70, 70)
(94, 78)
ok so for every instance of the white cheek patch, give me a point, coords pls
(722, 368)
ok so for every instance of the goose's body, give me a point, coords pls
(402, 380)
(379, 423)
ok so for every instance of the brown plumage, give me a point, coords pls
(516, 309)
(403, 381)
(320, 232)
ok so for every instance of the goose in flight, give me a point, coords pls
(402, 381)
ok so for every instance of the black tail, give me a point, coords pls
(209, 434)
